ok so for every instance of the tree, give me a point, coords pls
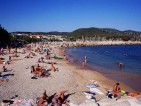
(4, 37)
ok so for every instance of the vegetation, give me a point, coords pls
(7, 39)
(83, 34)
(99, 34)
(4, 37)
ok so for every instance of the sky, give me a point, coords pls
(69, 15)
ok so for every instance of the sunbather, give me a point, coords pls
(59, 98)
(4, 69)
(15, 55)
(43, 101)
(116, 91)
(53, 68)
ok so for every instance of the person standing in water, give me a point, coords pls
(120, 65)
(85, 60)
(83, 63)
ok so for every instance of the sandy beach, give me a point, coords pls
(69, 77)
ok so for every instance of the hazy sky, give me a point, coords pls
(68, 15)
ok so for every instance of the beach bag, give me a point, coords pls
(109, 95)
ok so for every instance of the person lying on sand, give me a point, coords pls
(7, 62)
(1, 61)
(59, 98)
(28, 56)
(15, 55)
(39, 71)
(43, 101)
(51, 62)
(41, 60)
(55, 100)
(36, 71)
(47, 57)
(33, 54)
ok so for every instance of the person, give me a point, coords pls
(85, 60)
(39, 60)
(59, 98)
(83, 63)
(53, 68)
(42, 59)
(2, 51)
(0, 74)
(4, 69)
(43, 101)
(9, 49)
(47, 57)
(23, 51)
(32, 69)
(45, 97)
(116, 91)
(120, 65)
(10, 58)
(65, 57)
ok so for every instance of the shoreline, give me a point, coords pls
(123, 77)
(70, 77)
(99, 43)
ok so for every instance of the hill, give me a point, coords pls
(102, 32)
(105, 34)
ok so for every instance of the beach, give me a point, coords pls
(70, 77)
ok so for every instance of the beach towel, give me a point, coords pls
(89, 93)
(3, 77)
(92, 86)
(122, 91)
(133, 94)
(58, 58)
(23, 103)
(88, 96)
(95, 90)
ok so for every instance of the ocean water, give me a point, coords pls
(103, 58)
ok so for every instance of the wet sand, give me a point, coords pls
(131, 80)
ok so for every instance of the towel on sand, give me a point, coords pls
(95, 90)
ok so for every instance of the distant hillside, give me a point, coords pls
(94, 34)
(89, 32)
(57, 33)
(102, 32)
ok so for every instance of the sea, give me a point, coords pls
(106, 58)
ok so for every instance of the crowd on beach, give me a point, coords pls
(37, 70)
(48, 60)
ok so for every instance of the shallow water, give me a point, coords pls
(108, 57)
(104, 59)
